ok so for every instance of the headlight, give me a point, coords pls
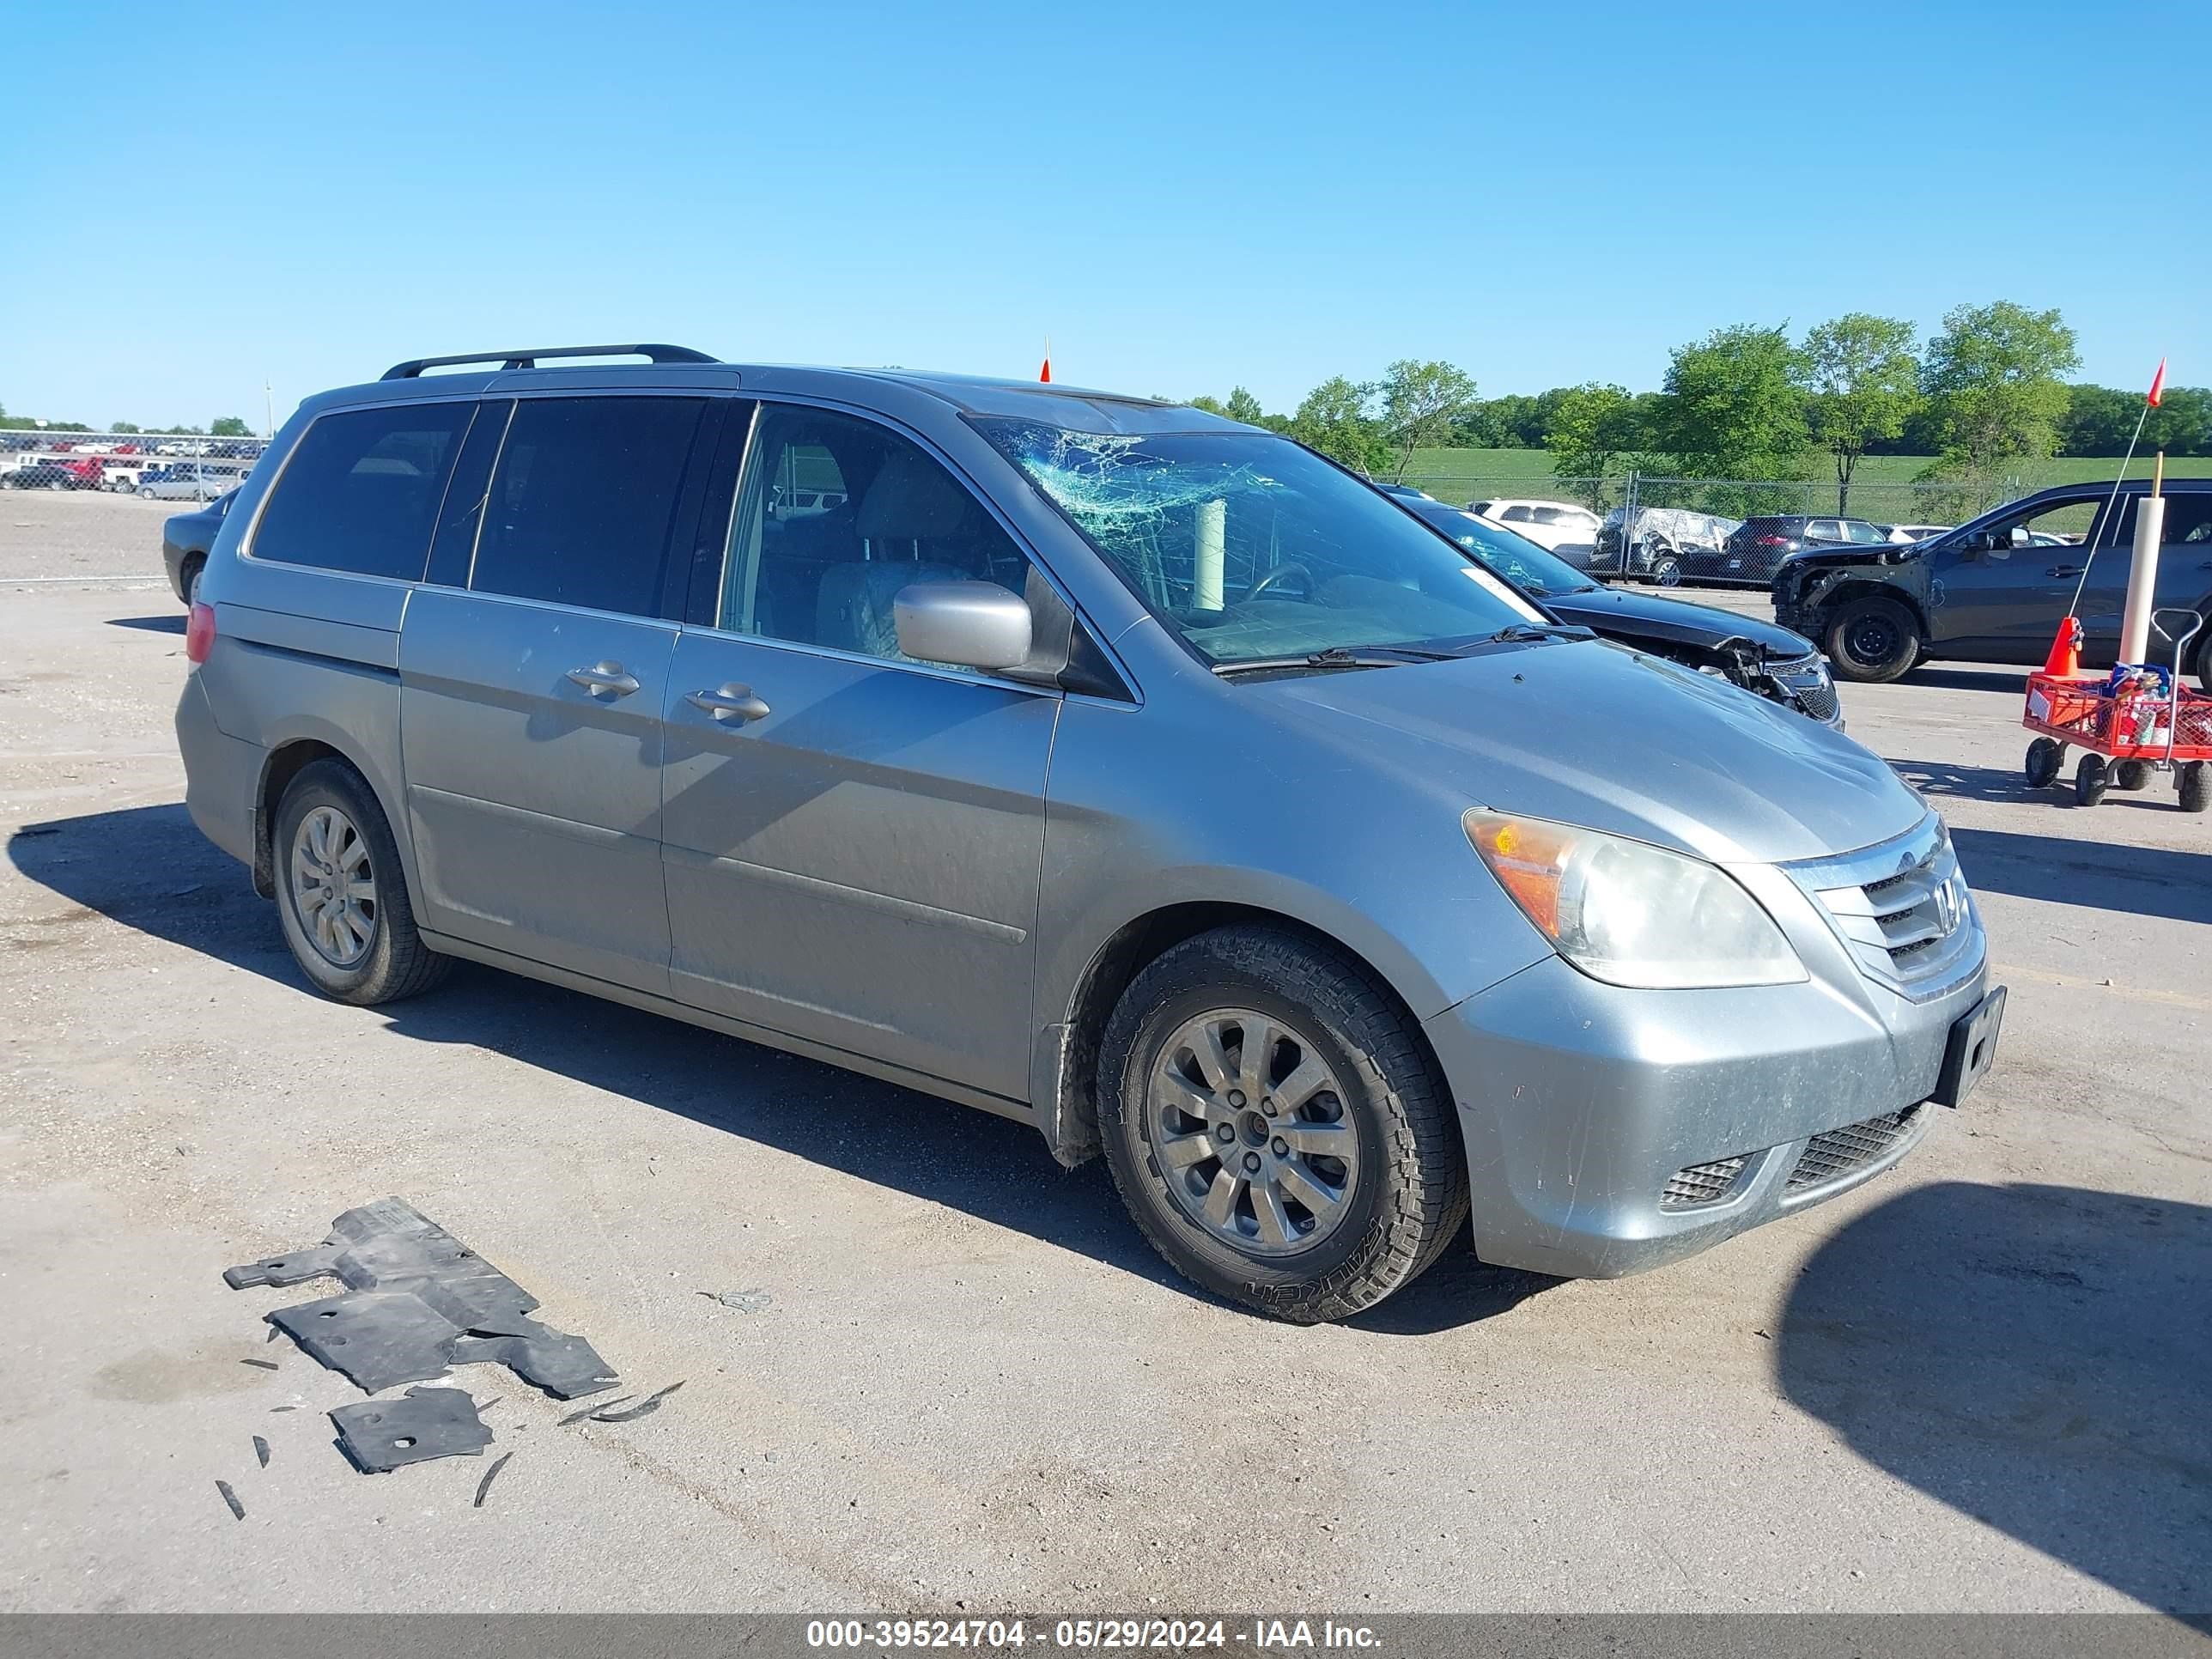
(1631, 914)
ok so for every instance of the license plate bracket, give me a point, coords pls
(1970, 1049)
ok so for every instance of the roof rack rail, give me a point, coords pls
(659, 354)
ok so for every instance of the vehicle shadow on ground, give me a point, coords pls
(150, 868)
(2138, 881)
(2011, 681)
(2039, 1357)
(170, 624)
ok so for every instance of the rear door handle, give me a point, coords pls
(605, 679)
(732, 702)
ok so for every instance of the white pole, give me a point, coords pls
(1212, 554)
(268, 410)
(2142, 573)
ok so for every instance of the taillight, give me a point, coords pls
(1771, 541)
(199, 634)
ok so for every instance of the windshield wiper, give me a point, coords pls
(1337, 656)
(1536, 632)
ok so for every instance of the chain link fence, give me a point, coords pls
(157, 465)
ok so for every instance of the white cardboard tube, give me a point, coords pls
(2143, 580)
(1213, 550)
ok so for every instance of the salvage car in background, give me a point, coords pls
(1769, 661)
(1756, 547)
(1109, 766)
(1994, 589)
(1566, 528)
(185, 539)
(1667, 546)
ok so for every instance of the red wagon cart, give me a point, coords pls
(2128, 724)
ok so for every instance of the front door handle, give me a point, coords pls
(732, 702)
(2063, 571)
(605, 679)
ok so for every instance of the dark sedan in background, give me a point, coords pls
(186, 538)
(1772, 662)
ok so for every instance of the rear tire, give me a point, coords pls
(1872, 640)
(2131, 774)
(2046, 758)
(2195, 778)
(2091, 779)
(1257, 1208)
(342, 896)
(194, 569)
(1666, 571)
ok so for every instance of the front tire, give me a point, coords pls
(2192, 785)
(1872, 640)
(2045, 756)
(1276, 1126)
(194, 570)
(342, 896)
(2091, 779)
(1666, 571)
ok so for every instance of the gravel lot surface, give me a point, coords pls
(962, 1382)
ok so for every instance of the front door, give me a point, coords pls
(531, 693)
(2002, 596)
(851, 839)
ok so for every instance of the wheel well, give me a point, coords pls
(1849, 592)
(285, 763)
(1075, 1130)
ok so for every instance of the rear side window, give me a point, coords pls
(361, 490)
(583, 499)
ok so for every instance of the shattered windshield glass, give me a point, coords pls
(1249, 547)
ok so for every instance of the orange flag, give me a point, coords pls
(1045, 374)
(2157, 384)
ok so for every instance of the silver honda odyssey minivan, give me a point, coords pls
(1116, 768)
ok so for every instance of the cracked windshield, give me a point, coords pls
(1251, 549)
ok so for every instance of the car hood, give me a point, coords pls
(1620, 613)
(1593, 734)
(1826, 554)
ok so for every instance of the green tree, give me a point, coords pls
(1243, 406)
(1594, 429)
(1337, 418)
(1861, 384)
(1420, 400)
(2182, 423)
(2099, 420)
(1993, 377)
(229, 426)
(123, 426)
(1211, 405)
(1731, 407)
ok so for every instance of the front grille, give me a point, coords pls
(1839, 1151)
(1902, 909)
(1702, 1183)
(1807, 679)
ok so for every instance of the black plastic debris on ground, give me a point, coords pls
(419, 1300)
(379, 1435)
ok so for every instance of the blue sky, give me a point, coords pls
(1183, 196)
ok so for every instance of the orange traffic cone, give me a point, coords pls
(2065, 657)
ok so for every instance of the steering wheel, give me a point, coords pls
(1279, 573)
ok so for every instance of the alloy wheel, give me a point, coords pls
(333, 888)
(1251, 1133)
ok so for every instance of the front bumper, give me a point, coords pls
(1580, 1102)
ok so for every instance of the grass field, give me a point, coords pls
(1462, 474)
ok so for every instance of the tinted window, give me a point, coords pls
(583, 499)
(2188, 519)
(1517, 515)
(835, 515)
(360, 492)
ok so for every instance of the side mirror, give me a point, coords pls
(963, 624)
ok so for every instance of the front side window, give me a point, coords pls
(583, 501)
(835, 515)
(359, 491)
(2062, 523)
(1247, 546)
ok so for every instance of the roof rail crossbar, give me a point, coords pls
(659, 354)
